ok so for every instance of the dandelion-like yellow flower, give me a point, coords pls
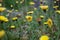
(55, 6)
(0, 4)
(12, 26)
(3, 18)
(2, 33)
(18, 15)
(6, 20)
(14, 18)
(31, 3)
(22, 1)
(49, 22)
(10, 11)
(29, 18)
(54, 1)
(11, 5)
(17, 2)
(35, 8)
(30, 12)
(45, 7)
(2, 9)
(44, 37)
(16, 10)
(58, 11)
(41, 16)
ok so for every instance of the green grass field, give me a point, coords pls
(30, 20)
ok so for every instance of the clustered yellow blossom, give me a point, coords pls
(44, 37)
(2, 33)
(29, 18)
(3, 18)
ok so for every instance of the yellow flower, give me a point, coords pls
(35, 8)
(14, 18)
(2, 9)
(11, 5)
(41, 16)
(0, 4)
(16, 10)
(45, 7)
(29, 18)
(55, 6)
(6, 20)
(45, 22)
(30, 12)
(44, 37)
(49, 22)
(2, 33)
(31, 3)
(17, 2)
(22, 1)
(12, 27)
(58, 11)
(3, 18)
(10, 11)
(19, 14)
(54, 1)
